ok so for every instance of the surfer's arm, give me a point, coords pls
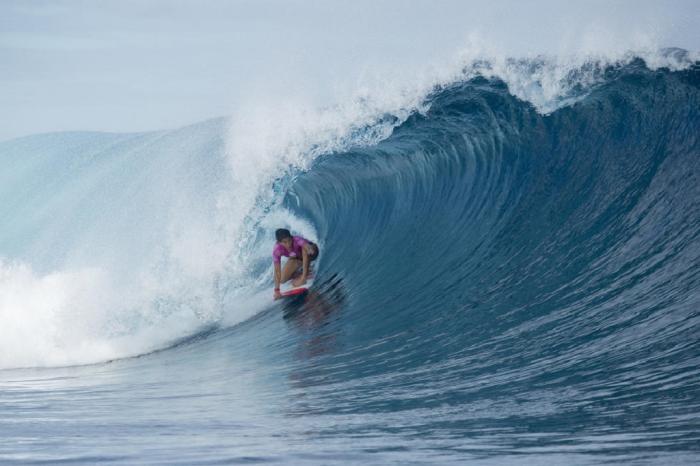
(278, 279)
(278, 275)
(305, 264)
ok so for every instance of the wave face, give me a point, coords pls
(494, 282)
(502, 262)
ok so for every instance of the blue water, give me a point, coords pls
(496, 284)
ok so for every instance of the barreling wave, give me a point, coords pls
(522, 215)
(491, 252)
(509, 266)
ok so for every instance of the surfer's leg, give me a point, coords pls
(290, 267)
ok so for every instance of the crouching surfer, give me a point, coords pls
(300, 251)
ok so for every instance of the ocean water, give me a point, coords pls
(509, 274)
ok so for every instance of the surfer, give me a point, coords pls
(300, 251)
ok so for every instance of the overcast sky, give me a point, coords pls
(142, 65)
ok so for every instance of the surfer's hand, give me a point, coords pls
(299, 281)
(277, 295)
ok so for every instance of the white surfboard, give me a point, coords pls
(287, 289)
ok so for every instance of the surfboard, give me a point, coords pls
(287, 289)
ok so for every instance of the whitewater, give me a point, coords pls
(508, 274)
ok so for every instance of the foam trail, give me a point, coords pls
(71, 317)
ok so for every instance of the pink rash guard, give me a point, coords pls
(279, 250)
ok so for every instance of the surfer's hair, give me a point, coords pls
(282, 233)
